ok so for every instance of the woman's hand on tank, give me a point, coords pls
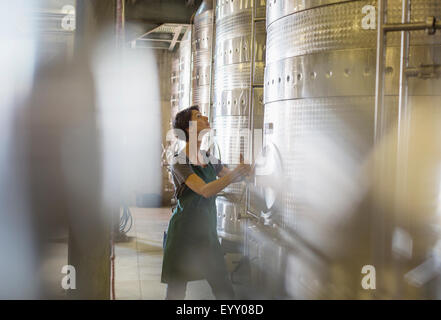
(241, 171)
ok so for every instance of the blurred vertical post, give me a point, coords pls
(90, 226)
(120, 39)
(19, 258)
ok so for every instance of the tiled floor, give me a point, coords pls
(138, 263)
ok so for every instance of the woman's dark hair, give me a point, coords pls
(182, 120)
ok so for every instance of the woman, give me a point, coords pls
(192, 250)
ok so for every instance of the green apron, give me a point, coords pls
(192, 249)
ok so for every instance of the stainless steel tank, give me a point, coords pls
(236, 76)
(180, 82)
(201, 50)
(228, 220)
(174, 90)
(185, 70)
(319, 125)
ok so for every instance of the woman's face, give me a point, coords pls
(201, 121)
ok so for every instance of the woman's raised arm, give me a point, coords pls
(207, 190)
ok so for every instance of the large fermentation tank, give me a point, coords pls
(185, 70)
(238, 71)
(180, 82)
(319, 129)
(201, 49)
(181, 75)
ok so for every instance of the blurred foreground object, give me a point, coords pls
(19, 261)
(66, 130)
(409, 201)
(326, 212)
